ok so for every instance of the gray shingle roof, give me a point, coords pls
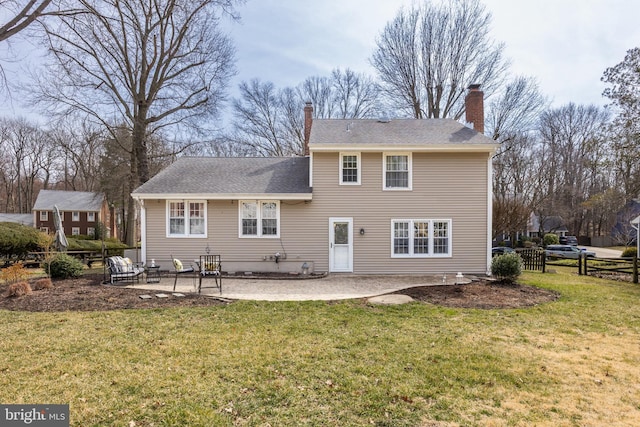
(394, 132)
(68, 201)
(231, 175)
(24, 219)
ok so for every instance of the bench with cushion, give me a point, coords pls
(123, 270)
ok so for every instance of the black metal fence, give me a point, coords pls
(533, 259)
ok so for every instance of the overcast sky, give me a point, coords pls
(565, 44)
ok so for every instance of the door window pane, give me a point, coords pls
(341, 233)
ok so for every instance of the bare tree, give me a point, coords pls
(141, 65)
(516, 110)
(574, 146)
(269, 121)
(26, 153)
(81, 146)
(20, 15)
(259, 120)
(624, 93)
(427, 56)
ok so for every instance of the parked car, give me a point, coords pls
(569, 240)
(500, 250)
(567, 251)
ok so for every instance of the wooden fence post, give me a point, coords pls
(580, 264)
(635, 269)
(586, 273)
(544, 261)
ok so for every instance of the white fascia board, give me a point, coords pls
(435, 148)
(226, 196)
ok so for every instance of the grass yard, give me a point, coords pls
(573, 362)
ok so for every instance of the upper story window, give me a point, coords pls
(397, 171)
(44, 215)
(420, 238)
(75, 216)
(186, 218)
(350, 168)
(91, 216)
(259, 218)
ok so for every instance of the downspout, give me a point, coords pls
(143, 229)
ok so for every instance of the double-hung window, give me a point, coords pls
(91, 216)
(350, 168)
(397, 171)
(186, 218)
(420, 238)
(259, 218)
(75, 216)
(44, 216)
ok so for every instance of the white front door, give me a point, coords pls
(341, 245)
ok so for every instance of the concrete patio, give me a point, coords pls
(331, 287)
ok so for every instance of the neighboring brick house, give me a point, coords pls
(370, 196)
(81, 212)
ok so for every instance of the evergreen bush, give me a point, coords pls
(506, 267)
(629, 253)
(63, 266)
(550, 239)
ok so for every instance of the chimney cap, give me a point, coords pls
(474, 86)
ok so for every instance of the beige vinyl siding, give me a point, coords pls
(445, 186)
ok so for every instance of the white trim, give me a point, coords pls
(489, 212)
(358, 168)
(310, 172)
(143, 231)
(46, 216)
(75, 216)
(219, 196)
(186, 234)
(94, 216)
(332, 268)
(417, 148)
(259, 220)
(430, 253)
(409, 166)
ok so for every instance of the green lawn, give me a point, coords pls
(571, 362)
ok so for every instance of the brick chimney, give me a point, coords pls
(308, 121)
(474, 107)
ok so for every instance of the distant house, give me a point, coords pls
(538, 227)
(24, 219)
(623, 232)
(370, 196)
(81, 212)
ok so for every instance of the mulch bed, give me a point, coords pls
(87, 293)
(482, 294)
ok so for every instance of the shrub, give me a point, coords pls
(42, 284)
(506, 267)
(14, 273)
(550, 239)
(16, 240)
(629, 253)
(19, 289)
(63, 266)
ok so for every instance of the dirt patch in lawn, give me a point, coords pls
(87, 293)
(482, 294)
